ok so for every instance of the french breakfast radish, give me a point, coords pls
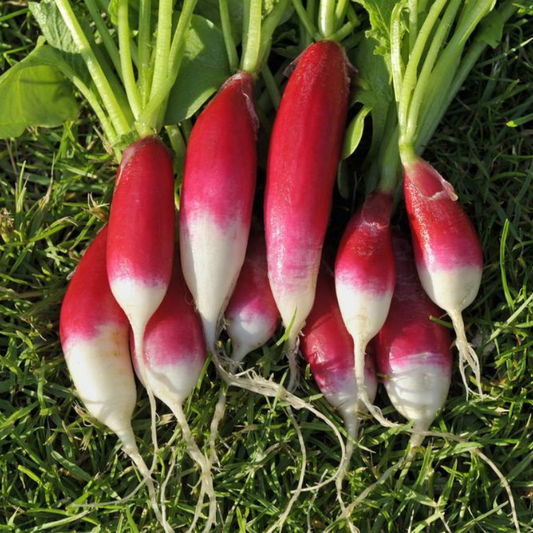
(412, 352)
(447, 250)
(217, 199)
(303, 157)
(173, 358)
(140, 246)
(252, 315)
(364, 280)
(94, 337)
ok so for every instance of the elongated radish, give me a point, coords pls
(94, 337)
(140, 245)
(302, 162)
(364, 280)
(217, 198)
(328, 348)
(447, 250)
(412, 352)
(252, 315)
(173, 358)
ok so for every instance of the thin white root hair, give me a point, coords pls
(205, 465)
(220, 410)
(162, 498)
(295, 493)
(252, 382)
(466, 353)
(359, 369)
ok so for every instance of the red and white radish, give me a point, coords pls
(364, 280)
(252, 315)
(447, 250)
(94, 336)
(140, 246)
(173, 358)
(217, 199)
(412, 352)
(303, 157)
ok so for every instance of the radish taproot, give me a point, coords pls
(413, 353)
(94, 336)
(173, 359)
(303, 157)
(364, 280)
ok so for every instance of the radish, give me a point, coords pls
(447, 250)
(364, 280)
(328, 348)
(303, 157)
(94, 337)
(252, 315)
(140, 245)
(173, 358)
(217, 199)
(412, 352)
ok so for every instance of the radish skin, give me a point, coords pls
(217, 199)
(174, 356)
(364, 281)
(412, 352)
(447, 250)
(94, 337)
(141, 238)
(252, 316)
(304, 153)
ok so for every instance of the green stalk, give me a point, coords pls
(130, 85)
(437, 106)
(103, 30)
(229, 42)
(397, 65)
(109, 99)
(410, 77)
(152, 114)
(251, 36)
(144, 44)
(162, 50)
(343, 32)
(272, 86)
(268, 28)
(340, 11)
(177, 142)
(305, 20)
(420, 91)
(326, 18)
(413, 23)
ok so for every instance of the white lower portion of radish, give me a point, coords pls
(454, 290)
(363, 313)
(211, 259)
(103, 377)
(248, 334)
(418, 391)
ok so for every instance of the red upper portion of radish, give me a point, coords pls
(443, 235)
(365, 258)
(326, 344)
(409, 336)
(304, 153)
(141, 223)
(88, 302)
(220, 165)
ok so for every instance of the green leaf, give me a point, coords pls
(35, 92)
(354, 132)
(380, 13)
(53, 26)
(209, 9)
(205, 67)
(492, 29)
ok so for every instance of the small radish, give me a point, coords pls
(94, 337)
(364, 280)
(252, 315)
(217, 199)
(447, 250)
(303, 157)
(412, 352)
(173, 358)
(328, 348)
(140, 246)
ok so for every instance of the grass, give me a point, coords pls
(55, 189)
